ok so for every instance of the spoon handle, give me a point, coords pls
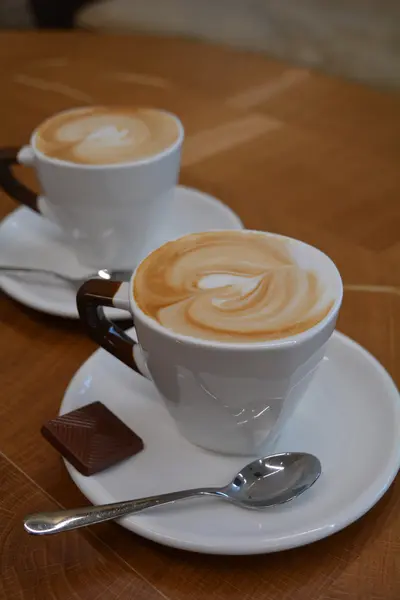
(69, 278)
(64, 520)
(102, 274)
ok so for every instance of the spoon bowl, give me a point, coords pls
(262, 483)
(274, 480)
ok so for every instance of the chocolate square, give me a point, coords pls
(92, 438)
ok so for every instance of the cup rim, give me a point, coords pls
(289, 341)
(125, 165)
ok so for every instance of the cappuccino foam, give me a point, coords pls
(106, 135)
(230, 286)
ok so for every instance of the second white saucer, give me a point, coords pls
(27, 239)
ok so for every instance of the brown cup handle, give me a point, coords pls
(10, 184)
(92, 296)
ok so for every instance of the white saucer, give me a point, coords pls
(28, 239)
(350, 419)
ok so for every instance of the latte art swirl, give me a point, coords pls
(106, 135)
(229, 286)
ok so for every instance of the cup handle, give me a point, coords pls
(92, 296)
(9, 183)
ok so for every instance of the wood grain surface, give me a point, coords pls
(292, 152)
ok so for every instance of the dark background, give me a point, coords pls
(56, 13)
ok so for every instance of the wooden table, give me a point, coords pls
(290, 151)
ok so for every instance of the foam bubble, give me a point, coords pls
(243, 285)
(108, 134)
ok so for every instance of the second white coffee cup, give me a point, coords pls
(109, 212)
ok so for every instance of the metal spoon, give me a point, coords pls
(265, 482)
(102, 274)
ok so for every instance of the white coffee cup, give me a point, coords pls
(228, 397)
(109, 212)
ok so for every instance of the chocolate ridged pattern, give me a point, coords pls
(92, 438)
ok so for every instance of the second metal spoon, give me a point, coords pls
(78, 280)
(263, 483)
